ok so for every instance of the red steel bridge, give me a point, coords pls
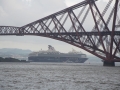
(86, 25)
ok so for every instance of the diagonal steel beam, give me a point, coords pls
(113, 27)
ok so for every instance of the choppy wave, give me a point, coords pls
(58, 76)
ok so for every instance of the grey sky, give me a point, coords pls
(21, 12)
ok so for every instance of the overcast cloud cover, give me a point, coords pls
(21, 12)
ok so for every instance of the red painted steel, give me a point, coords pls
(72, 27)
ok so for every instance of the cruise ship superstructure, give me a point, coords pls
(51, 55)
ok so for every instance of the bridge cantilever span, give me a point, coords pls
(5, 30)
(10, 30)
(83, 25)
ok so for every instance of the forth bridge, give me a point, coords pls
(83, 25)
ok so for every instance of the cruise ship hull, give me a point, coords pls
(57, 59)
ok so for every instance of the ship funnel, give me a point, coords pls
(51, 48)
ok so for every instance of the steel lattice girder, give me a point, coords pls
(100, 41)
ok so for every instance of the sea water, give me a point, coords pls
(59, 76)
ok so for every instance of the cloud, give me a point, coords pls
(21, 13)
(72, 2)
(2, 12)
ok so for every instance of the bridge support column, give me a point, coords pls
(107, 63)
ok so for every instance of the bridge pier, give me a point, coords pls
(107, 63)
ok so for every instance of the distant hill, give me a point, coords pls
(14, 50)
(10, 52)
